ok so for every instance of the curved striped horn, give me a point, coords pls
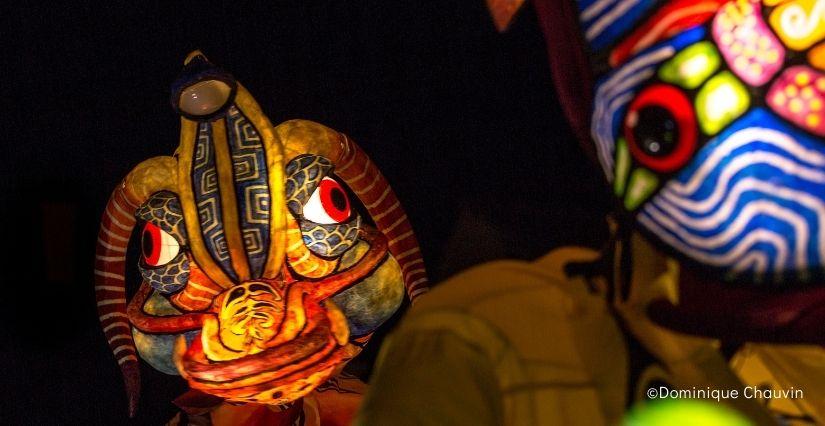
(116, 227)
(363, 177)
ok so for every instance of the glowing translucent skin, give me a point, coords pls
(259, 301)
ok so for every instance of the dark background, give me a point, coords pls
(462, 120)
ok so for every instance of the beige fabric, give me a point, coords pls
(556, 353)
(519, 343)
(786, 368)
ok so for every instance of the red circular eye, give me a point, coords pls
(660, 128)
(157, 246)
(150, 244)
(334, 200)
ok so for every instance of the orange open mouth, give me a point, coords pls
(301, 355)
(266, 341)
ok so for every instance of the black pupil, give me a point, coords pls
(147, 243)
(339, 199)
(656, 131)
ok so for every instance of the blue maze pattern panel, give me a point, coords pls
(251, 187)
(208, 198)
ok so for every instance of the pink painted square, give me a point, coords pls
(749, 47)
(798, 95)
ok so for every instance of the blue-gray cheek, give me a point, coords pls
(158, 349)
(374, 300)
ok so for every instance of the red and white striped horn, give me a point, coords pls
(116, 227)
(363, 177)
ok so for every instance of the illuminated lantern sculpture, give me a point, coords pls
(707, 120)
(269, 254)
(709, 124)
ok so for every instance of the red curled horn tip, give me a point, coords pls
(387, 213)
(131, 379)
(116, 225)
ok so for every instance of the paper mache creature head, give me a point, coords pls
(269, 254)
(709, 124)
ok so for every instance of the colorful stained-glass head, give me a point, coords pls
(269, 254)
(709, 124)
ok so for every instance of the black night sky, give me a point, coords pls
(462, 120)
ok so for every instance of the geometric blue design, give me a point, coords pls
(163, 209)
(329, 239)
(208, 199)
(251, 187)
(303, 175)
(604, 21)
(170, 277)
(752, 202)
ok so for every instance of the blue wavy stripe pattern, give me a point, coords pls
(605, 21)
(752, 202)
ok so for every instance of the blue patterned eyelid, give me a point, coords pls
(304, 173)
(330, 240)
(168, 278)
(163, 209)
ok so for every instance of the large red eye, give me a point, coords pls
(660, 128)
(158, 247)
(329, 203)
